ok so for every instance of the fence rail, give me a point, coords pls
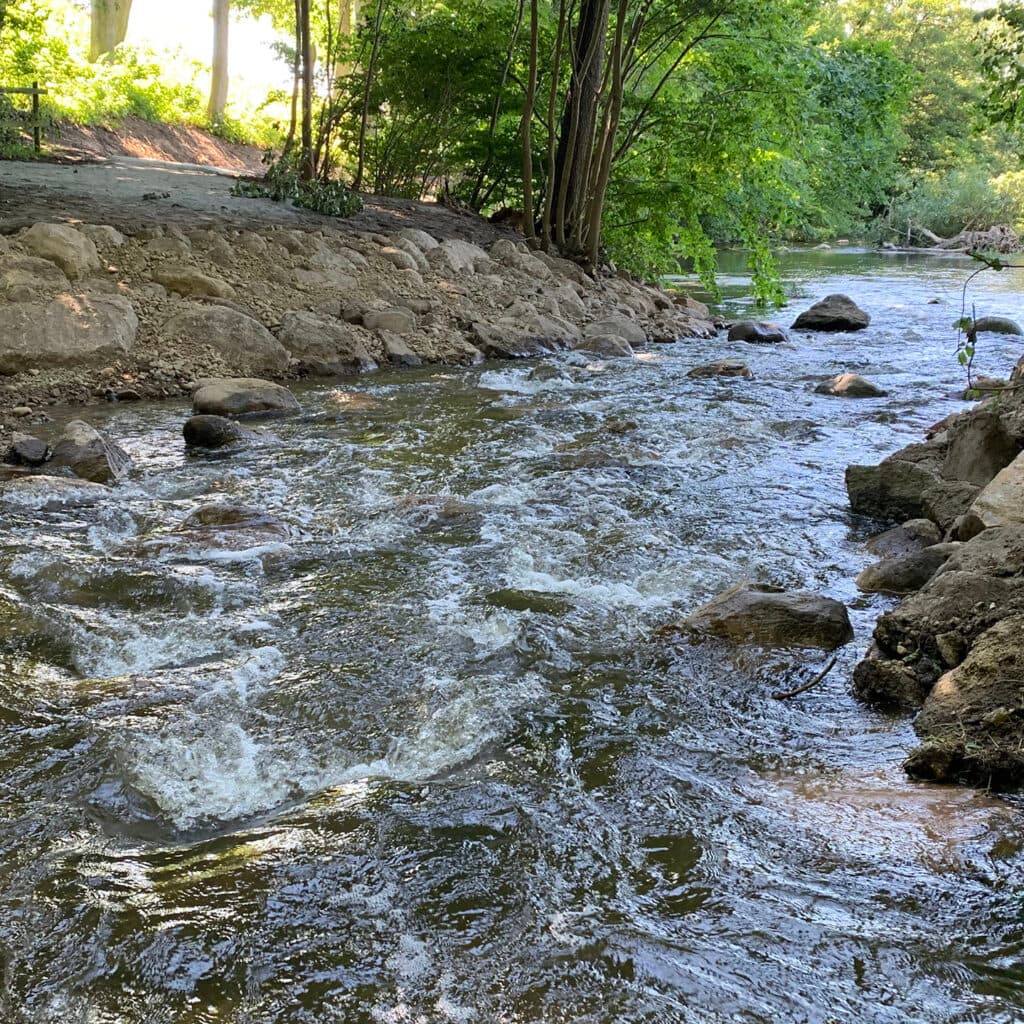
(36, 123)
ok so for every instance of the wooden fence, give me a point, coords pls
(36, 123)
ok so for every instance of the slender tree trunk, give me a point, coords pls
(109, 26)
(289, 141)
(306, 169)
(364, 119)
(549, 177)
(527, 123)
(348, 22)
(219, 77)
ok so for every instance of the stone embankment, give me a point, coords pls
(91, 313)
(952, 650)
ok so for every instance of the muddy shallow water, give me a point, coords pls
(427, 761)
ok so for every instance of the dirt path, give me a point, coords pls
(125, 191)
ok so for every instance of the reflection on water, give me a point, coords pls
(427, 762)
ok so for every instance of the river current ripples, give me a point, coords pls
(428, 761)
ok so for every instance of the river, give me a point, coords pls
(430, 762)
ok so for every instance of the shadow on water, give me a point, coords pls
(427, 761)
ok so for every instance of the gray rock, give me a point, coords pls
(26, 450)
(25, 278)
(398, 352)
(761, 614)
(759, 333)
(188, 281)
(324, 345)
(900, 489)
(850, 385)
(903, 574)
(76, 330)
(722, 368)
(395, 319)
(979, 447)
(213, 432)
(89, 455)
(912, 536)
(610, 345)
(1001, 503)
(996, 325)
(243, 396)
(72, 251)
(242, 342)
(620, 327)
(51, 493)
(834, 313)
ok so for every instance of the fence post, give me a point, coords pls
(37, 130)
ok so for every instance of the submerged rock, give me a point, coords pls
(243, 396)
(51, 493)
(221, 527)
(835, 313)
(89, 455)
(850, 385)
(772, 617)
(722, 368)
(539, 602)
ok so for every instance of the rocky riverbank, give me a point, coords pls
(952, 651)
(93, 312)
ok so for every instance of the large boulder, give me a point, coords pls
(900, 489)
(323, 345)
(850, 385)
(187, 281)
(72, 251)
(609, 345)
(84, 451)
(24, 278)
(756, 333)
(979, 446)
(833, 313)
(772, 617)
(1001, 503)
(26, 450)
(458, 258)
(243, 343)
(71, 330)
(243, 396)
(618, 326)
(420, 239)
(972, 722)
(222, 527)
(396, 319)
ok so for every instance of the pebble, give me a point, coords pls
(21, 410)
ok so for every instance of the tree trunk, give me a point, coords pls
(348, 23)
(531, 97)
(364, 118)
(109, 26)
(579, 119)
(219, 78)
(306, 169)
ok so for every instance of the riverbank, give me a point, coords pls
(128, 281)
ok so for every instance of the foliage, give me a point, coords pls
(283, 183)
(1002, 61)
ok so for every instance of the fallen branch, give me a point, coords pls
(786, 694)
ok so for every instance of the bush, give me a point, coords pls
(282, 183)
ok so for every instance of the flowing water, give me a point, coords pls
(428, 761)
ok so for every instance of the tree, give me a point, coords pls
(109, 26)
(219, 66)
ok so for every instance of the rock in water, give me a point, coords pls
(850, 385)
(89, 455)
(772, 617)
(722, 368)
(833, 313)
(213, 432)
(996, 325)
(903, 574)
(27, 450)
(243, 396)
(913, 535)
(51, 493)
(760, 333)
